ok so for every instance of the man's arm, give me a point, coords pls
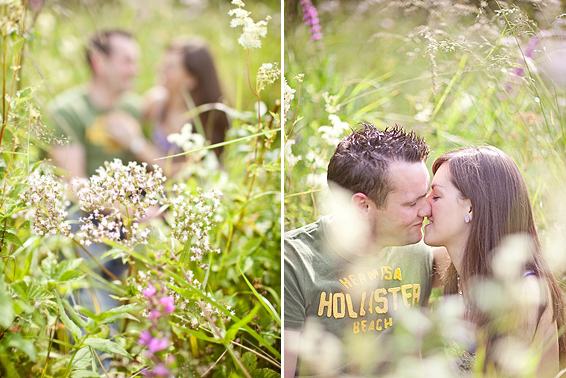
(126, 131)
(291, 350)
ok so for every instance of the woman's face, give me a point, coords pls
(173, 75)
(447, 225)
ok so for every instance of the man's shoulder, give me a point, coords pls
(310, 229)
(305, 241)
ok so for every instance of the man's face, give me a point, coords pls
(121, 65)
(400, 221)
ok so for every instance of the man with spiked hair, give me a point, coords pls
(350, 276)
(101, 119)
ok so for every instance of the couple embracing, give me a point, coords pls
(351, 276)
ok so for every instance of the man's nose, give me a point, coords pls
(426, 209)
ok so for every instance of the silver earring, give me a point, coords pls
(467, 219)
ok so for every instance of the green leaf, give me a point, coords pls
(266, 373)
(249, 360)
(113, 318)
(71, 275)
(37, 292)
(125, 308)
(12, 238)
(85, 374)
(76, 318)
(268, 306)
(82, 359)
(69, 324)
(106, 346)
(7, 314)
(23, 345)
(6, 363)
(231, 333)
(15, 193)
(20, 288)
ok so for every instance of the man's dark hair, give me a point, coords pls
(360, 162)
(100, 42)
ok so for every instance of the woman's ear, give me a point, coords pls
(468, 211)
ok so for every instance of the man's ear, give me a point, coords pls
(362, 204)
(97, 61)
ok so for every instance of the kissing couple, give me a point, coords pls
(350, 276)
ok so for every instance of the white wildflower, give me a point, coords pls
(288, 96)
(44, 197)
(267, 74)
(334, 133)
(290, 159)
(194, 218)
(330, 103)
(253, 32)
(114, 189)
(188, 140)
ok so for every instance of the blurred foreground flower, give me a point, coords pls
(253, 32)
(159, 306)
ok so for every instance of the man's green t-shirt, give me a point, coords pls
(352, 297)
(76, 118)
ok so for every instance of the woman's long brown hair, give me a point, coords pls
(198, 61)
(501, 207)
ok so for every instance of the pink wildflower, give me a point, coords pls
(311, 19)
(149, 291)
(145, 337)
(169, 303)
(161, 371)
(156, 345)
(154, 314)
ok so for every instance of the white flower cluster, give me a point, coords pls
(267, 74)
(188, 141)
(193, 218)
(334, 133)
(43, 197)
(117, 198)
(290, 159)
(288, 96)
(250, 38)
(330, 103)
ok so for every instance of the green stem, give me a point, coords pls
(97, 263)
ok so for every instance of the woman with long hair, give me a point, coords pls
(479, 199)
(188, 82)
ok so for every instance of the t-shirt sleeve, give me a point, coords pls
(65, 123)
(294, 314)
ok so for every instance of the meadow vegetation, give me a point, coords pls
(201, 292)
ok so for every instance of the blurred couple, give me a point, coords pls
(103, 119)
(350, 277)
